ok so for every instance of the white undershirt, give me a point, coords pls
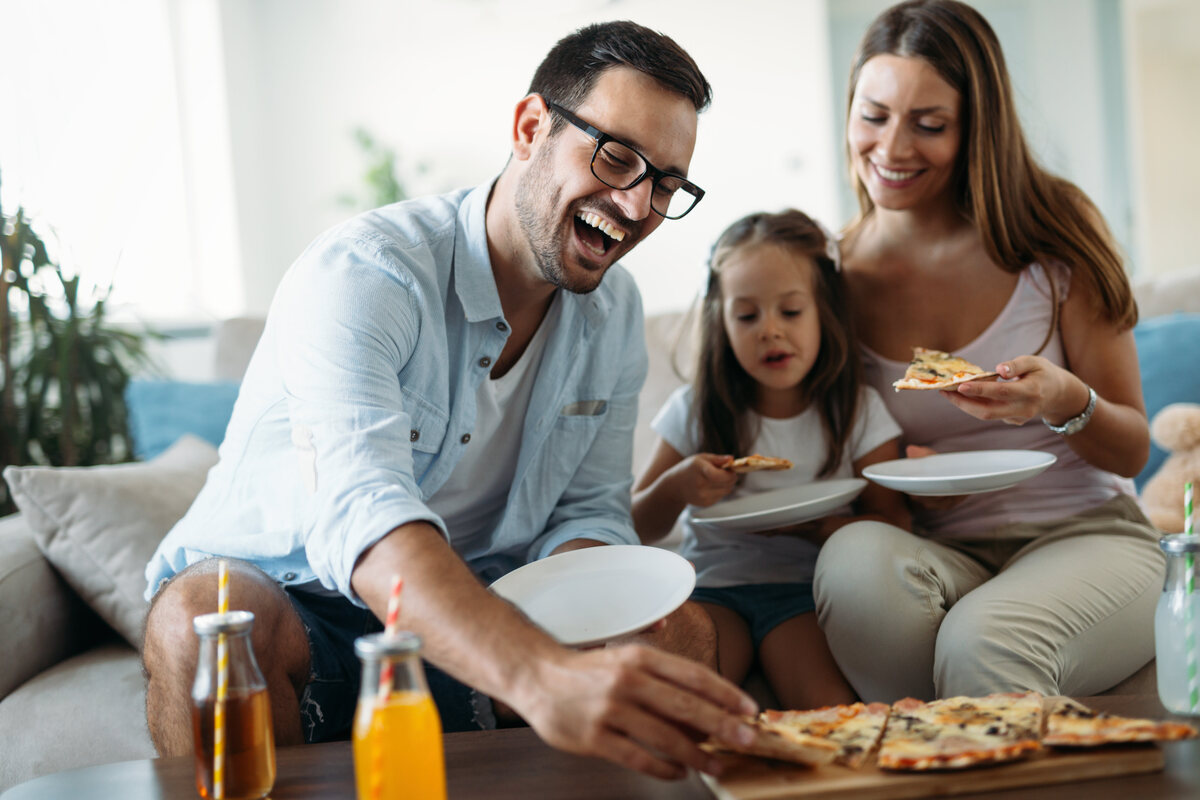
(473, 497)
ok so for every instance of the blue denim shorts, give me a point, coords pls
(762, 605)
(335, 673)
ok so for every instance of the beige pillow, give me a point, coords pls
(99, 525)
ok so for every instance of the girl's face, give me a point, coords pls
(770, 314)
(904, 132)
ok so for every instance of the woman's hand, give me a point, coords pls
(931, 503)
(1032, 388)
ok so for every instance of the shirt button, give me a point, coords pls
(485, 362)
(466, 437)
(500, 326)
(289, 576)
(413, 435)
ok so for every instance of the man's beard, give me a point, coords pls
(540, 226)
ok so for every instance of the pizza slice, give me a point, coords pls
(855, 729)
(780, 741)
(934, 369)
(959, 732)
(757, 462)
(1071, 724)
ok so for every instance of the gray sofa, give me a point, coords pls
(71, 688)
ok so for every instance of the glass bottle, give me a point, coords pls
(248, 762)
(397, 731)
(1177, 627)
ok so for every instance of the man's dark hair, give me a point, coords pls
(571, 68)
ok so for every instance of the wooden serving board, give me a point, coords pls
(748, 778)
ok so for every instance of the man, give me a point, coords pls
(445, 390)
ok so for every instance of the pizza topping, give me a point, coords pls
(1071, 724)
(757, 462)
(935, 369)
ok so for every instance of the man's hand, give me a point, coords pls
(635, 706)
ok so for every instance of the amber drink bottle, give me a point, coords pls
(244, 769)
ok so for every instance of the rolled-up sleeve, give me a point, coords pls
(353, 313)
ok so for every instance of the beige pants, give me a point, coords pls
(1060, 607)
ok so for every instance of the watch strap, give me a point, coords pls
(1076, 424)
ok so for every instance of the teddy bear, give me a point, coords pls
(1176, 429)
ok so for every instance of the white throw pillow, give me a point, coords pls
(99, 526)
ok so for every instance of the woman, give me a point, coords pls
(965, 244)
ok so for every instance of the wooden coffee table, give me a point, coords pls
(514, 763)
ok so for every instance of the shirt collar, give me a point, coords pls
(473, 278)
(474, 281)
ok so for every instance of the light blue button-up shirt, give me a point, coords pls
(360, 397)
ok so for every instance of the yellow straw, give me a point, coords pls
(222, 685)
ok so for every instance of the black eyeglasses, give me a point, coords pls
(618, 165)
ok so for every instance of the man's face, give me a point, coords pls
(575, 225)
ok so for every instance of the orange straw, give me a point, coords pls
(222, 685)
(385, 684)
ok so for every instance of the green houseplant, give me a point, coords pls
(65, 366)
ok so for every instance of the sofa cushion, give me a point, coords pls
(1170, 364)
(99, 525)
(161, 411)
(89, 709)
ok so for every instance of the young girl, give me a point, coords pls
(777, 374)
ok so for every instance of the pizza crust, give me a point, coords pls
(1072, 724)
(757, 462)
(936, 369)
(782, 742)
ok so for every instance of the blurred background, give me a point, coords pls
(186, 151)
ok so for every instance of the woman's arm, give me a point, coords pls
(670, 482)
(879, 502)
(1117, 438)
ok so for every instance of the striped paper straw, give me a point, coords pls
(1189, 630)
(385, 684)
(222, 685)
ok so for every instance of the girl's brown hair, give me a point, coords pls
(723, 392)
(1022, 212)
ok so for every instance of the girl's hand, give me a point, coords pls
(1033, 388)
(931, 503)
(702, 480)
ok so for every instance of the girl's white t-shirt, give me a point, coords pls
(731, 559)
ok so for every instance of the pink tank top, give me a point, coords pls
(1069, 487)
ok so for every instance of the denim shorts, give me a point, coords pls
(335, 673)
(762, 605)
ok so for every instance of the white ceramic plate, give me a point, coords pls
(766, 510)
(596, 594)
(960, 473)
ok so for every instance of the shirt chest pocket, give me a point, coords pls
(427, 430)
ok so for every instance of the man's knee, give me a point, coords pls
(688, 631)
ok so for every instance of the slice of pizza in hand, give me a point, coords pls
(757, 462)
(961, 732)
(1071, 724)
(782, 742)
(934, 369)
(855, 729)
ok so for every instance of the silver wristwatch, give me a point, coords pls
(1076, 424)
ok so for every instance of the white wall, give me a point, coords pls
(439, 82)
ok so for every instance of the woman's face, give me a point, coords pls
(904, 132)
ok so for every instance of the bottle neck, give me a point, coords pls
(385, 675)
(242, 672)
(1178, 573)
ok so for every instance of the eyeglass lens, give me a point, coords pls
(620, 167)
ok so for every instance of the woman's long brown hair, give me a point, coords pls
(723, 393)
(1022, 212)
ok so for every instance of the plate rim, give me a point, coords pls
(671, 557)
(748, 515)
(871, 472)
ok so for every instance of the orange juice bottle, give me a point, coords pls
(397, 731)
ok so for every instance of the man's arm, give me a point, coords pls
(632, 705)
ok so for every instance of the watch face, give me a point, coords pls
(1076, 424)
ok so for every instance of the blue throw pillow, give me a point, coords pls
(161, 411)
(1169, 354)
